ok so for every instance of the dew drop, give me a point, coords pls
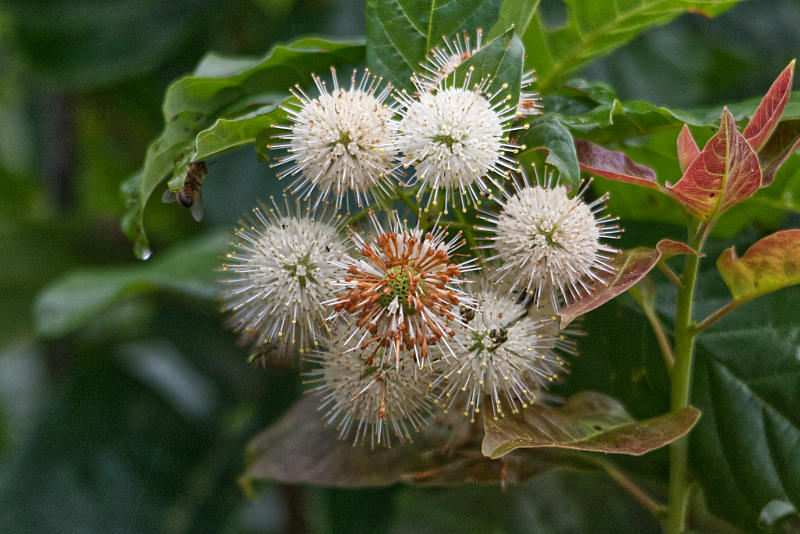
(142, 251)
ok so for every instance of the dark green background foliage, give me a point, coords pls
(125, 406)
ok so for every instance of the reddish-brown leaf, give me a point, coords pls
(300, 449)
(768, 112)
(630, 266)
(588, 421)
(725, 173)
(687, 148)
(783, 142)
(616, 166)
(770, 264)
(669, 248)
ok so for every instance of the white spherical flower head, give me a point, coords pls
(508, 353)
(367, 400)
(549, 241)
(279, 278)
(341, 142)
(456, 139)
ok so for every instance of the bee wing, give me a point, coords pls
(197, 207)
(169, 196)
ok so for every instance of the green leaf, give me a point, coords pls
(560, 501)
(614, 120)
(596, 27)
(617, 120)
(194, 103)
(502, 60)
(401, 33)
(588, 421)
(514, 13)
(247, 129)
(627, 366)
(78, 297)
(772, 263)
(748, 375)
(300, 448)
(547, 133)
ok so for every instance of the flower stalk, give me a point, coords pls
(685, 334)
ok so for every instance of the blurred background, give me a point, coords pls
(137, 421)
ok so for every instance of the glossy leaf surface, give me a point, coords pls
(401, 33)
(587, 421)
(501, 60)
(630, 266)
(613, 165)
(221, 87)
(747, 377)
(547, 134)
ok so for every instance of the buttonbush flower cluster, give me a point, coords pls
(403, 313)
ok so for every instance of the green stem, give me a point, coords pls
(681, 382)
(649, 312)
(661, 337)
(669, 273)
(625, 482)
(467, 229)
(357, 216)
(405, 199)
(717, 315)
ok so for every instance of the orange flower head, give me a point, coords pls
(403, 291)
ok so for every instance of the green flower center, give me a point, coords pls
(302, 270)
(446, 140)
(540, 232)
(399, 283)
(344, 138)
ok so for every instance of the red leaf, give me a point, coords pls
(725, 173)
(783, 142)
(769, 111)
(687, 148)
(616, 166)
(630, 266)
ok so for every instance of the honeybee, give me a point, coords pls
(189, 195)
(498, 336)
(467, 314)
